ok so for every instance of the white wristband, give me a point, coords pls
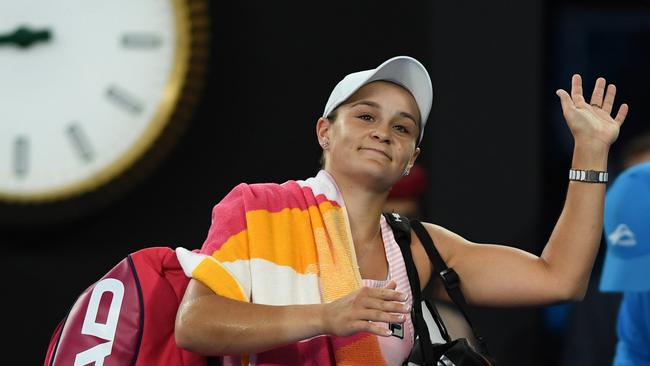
(588, 176)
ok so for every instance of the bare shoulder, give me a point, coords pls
(448, 244)
(446, 241)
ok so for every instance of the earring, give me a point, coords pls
(406, 172)
(325, 144)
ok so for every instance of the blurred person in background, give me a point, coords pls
(636, 151)
(627, 262)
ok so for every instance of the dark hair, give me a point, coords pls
(636, 146)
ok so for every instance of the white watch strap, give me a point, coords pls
(589, 176)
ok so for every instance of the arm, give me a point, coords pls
(501, 275)
(211, 324)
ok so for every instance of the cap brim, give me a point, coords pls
(625, 274)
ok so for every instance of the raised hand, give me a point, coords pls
(592, 123)
(357, 311)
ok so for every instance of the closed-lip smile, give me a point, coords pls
(377, 150)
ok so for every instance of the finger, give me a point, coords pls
(565, 100)
(622, 113)
(382, 316)
(370, 327)
(608, 102)
(382, 305)
(598, 93)
(576, 89)
(387, 294)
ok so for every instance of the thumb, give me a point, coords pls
(565, 100)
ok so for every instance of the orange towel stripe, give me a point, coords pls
(279, 237)
(219, 279)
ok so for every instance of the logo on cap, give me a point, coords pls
(622, 236)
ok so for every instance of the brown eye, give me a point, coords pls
(402, 129)
(366, 117)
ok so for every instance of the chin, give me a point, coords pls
(376, 176)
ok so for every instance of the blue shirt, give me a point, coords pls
(633, 329)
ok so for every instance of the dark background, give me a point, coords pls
(496, 148)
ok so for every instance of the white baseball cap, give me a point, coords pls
(402, 70)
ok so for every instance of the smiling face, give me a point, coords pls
(374, 137)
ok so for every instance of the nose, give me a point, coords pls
(381, 134)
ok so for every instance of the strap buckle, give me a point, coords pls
(450, 278)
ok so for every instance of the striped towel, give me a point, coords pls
(285, 244)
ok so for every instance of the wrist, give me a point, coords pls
(590, 156)
(299, 322)
(322, 325)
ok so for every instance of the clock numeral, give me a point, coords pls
(123, 99)
(80, 142)
(141, 40)
(21, 156)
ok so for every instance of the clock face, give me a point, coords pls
(86, 88)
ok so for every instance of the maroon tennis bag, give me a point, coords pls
(127, 317)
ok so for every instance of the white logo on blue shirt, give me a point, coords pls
(622, 236)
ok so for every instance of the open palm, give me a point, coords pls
(592, 122)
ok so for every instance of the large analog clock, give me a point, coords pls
(92, 94)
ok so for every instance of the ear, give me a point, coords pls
(323, 129)
(416, 153)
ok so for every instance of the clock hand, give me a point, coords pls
(24, 37)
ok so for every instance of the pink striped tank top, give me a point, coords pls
(394, 349)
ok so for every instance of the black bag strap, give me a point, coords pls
(438, 320)
(402, 232)
(449, 278)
